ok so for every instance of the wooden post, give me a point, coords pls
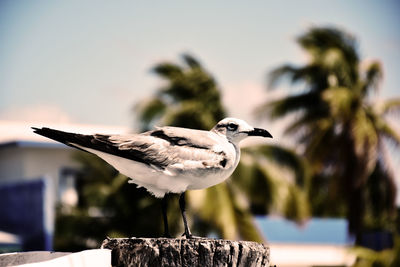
(186, 252)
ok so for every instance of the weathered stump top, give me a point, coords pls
(186, 252)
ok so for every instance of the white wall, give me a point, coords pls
(32, 161)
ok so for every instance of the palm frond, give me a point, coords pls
(282, 107)
(151, 109)
(321, 39)
(381, 126)
(389, 133)
(191, 61)
(373, 75)
(168, 70)
(305, 121)
(277, 74)
(313, 75)
(390, 105)
(284, 157)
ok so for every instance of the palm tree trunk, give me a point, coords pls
(355, 176)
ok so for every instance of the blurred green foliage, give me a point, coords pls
(190, 97)
(343, 129)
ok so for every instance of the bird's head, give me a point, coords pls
(236, 130)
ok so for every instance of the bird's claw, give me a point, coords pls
(190, 236)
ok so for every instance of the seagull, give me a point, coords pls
(168, 159)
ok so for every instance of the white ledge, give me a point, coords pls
(86, 258)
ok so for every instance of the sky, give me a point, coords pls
(90, 62)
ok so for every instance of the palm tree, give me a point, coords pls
(191, 98)
(342, 129)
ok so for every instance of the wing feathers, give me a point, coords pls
(167, 147)
(104, 144)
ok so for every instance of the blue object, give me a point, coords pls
(23, 212)
(316, 230)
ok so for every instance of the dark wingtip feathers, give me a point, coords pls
(44, 131)
(35, 129)
(59, 136)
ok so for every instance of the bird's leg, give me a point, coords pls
(164, 207)
(182, 205)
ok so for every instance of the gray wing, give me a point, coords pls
(105, 143)
(169, 147)
(176, 136)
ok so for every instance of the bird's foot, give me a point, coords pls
(190, 236)
(187, 236)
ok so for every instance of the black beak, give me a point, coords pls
(259, 132)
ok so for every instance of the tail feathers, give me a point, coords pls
(99, 143)
(65, 137)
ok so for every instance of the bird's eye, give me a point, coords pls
(232, 127)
